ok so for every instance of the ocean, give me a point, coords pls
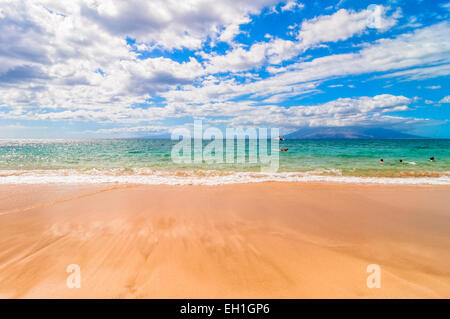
(149, 161)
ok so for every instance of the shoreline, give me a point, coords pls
(257, 240)
(234, 178)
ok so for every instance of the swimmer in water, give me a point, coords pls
(381, 161)
(432, 159)
(400, 160)
(283, 149)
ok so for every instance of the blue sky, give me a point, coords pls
(84, 69)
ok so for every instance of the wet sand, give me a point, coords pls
(268, 240)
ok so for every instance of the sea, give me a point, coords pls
(151, 161)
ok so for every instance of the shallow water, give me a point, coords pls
(149, 161)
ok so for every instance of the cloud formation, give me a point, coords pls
(344, 24)
(142, 63)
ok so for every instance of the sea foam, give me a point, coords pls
(200, 178)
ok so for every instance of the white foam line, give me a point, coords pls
(233, 178)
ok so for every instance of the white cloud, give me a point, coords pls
(231, 31)
(273, 52)
(344, 24)
(339, 26)
(292, 5)
(54, 61)
(423, 47)
(445, 99)
(170, 23)
(131, 131)
(341, 112)
(427, 46)
(237, 60)
(420, 73)
(214, 90)
(72, 62)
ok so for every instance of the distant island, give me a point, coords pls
(348, 132)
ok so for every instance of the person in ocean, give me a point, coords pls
(432, 159)
(283, 149)
(381, 161)
(400, 160)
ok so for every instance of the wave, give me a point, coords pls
(203, 177)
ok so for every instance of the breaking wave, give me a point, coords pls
(211, 177)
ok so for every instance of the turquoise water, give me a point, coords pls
(150, 161)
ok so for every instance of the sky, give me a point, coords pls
(107, 69)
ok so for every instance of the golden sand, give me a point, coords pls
(268, 240)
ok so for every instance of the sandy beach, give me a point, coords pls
(261, 240)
